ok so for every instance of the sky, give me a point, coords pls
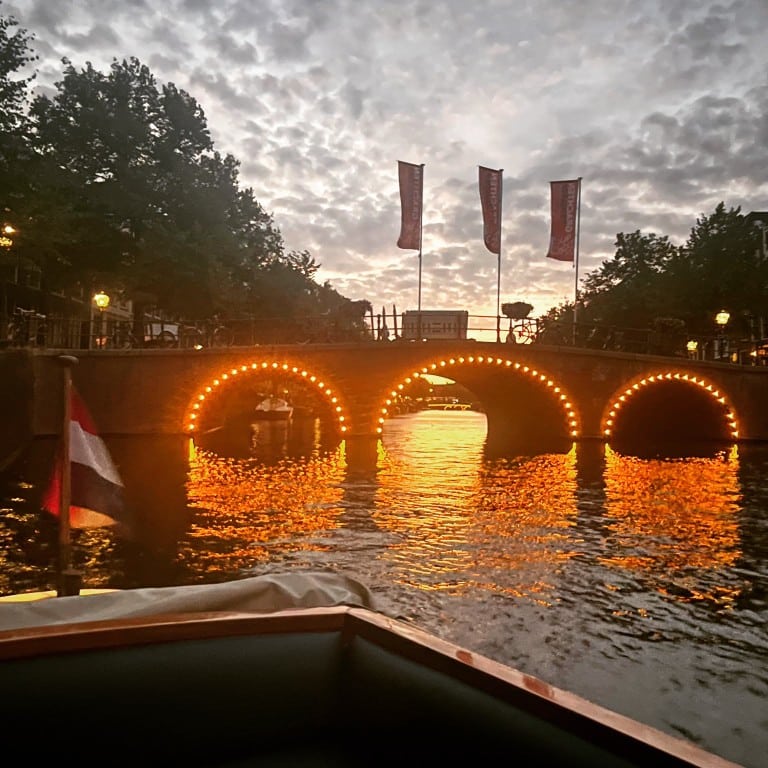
(660, 106)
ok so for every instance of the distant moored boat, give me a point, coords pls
(273, 409)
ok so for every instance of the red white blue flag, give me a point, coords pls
(96, 489)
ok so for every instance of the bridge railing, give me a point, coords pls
(28, 328)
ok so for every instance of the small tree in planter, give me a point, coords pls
(516, 310)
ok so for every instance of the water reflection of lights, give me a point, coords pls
(214, 387)
(462, 530)
(529, 506)
(249, 512)
(673, 519)
(442, 368)
(635, 387)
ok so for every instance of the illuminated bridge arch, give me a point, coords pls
(444, 368)
(683, 401)
(218, 386)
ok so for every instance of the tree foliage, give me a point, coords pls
(123, 188)
(15, 56)
(721, 265)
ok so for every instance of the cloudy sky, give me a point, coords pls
(661, 106)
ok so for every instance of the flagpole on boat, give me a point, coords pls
(68, 582)
(576, 265)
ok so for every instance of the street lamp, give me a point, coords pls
(722, 318)
(692, 346)
(101, 300)
(6, 241)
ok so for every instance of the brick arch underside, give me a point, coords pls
(523, 414)
(232, 395)
(671, 412)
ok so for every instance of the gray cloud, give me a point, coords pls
(660, 107)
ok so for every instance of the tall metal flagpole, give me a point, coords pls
(498, 263)
(68, 580)
(421, 226)
(576, 266)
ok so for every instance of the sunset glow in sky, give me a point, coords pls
(660, 105)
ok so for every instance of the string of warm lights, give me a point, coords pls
(436, 369)
(213, 387)
(633, 389)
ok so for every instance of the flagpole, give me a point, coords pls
(68, 582)
(576, 266)
(421, 229)
(498, 263)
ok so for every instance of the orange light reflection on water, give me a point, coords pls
(250, 510)
(529, 506)
(673, 518)
(500, 527)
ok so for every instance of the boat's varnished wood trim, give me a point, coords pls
(561, 707)
(113, 633)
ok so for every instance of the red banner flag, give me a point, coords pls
(411, 189)
(565, 205)
(490, 200)
(95, 485)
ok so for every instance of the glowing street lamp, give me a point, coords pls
(101, 300)
(721, 319)
(693, 347)
(6, 238)
(6, 241)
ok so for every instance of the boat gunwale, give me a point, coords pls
(557, 706)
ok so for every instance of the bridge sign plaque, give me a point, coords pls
(435, 324)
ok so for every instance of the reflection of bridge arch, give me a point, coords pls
(447, 367)
(682, 402)
(217, 387)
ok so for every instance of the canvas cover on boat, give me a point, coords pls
(257, 594)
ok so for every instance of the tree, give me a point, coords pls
(628, 290)
(15, 55)
(721, 266)
(649, 279)
(124, 188)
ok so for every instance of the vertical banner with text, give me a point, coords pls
(411, 189)
(490, 200)
(565, 205)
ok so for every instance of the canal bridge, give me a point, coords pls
(530, 394)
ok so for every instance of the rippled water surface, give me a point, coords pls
(638, 583)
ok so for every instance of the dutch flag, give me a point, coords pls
(96, 489)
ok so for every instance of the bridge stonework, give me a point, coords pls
(523, 388)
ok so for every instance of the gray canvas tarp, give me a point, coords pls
(258, 594)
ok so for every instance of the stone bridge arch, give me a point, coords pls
(221, 384)
(669, 405)
(525, 405)
(134, 392)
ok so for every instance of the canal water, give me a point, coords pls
(636, 581)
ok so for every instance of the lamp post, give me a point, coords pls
(722, 318)
(6, 241)
(693, 347)
(101, 300)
